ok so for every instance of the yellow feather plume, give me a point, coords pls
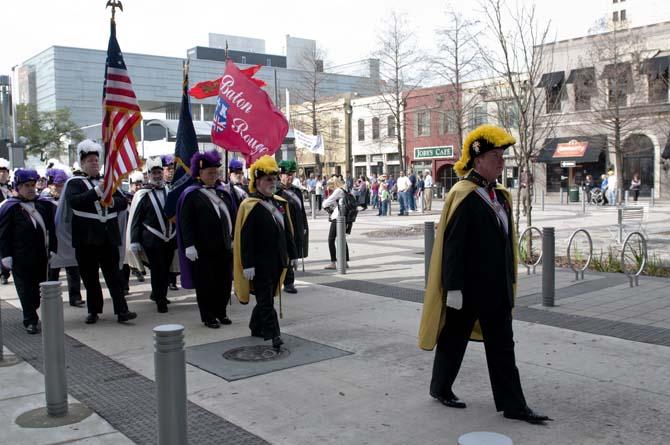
(491, 133)
(266, 164)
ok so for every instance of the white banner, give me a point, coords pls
(309, 142)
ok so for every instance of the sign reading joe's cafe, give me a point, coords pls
(439, 161)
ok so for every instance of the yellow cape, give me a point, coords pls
(242, 285)
(434, 309)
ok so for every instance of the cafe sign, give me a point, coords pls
(445, 151)
(572, 149)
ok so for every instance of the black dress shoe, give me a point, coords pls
(173, 287)
(168, 301)
(162, 308)
(212, 324)
(527, 415)
(256, 334)
(4, 280)
(277, 342)
(91, 318)
(126, 316)
(450, 400)
(225, 320)
(78, 303)
(290, 289)
(32, 329)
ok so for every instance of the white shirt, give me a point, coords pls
(403, 183)
(428, 181)
(334, 201)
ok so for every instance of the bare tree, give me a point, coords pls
(310, 92)
(520, 58)
(459, 61)
(399, 65)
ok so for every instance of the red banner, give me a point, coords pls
(246, 120)
(209, 88)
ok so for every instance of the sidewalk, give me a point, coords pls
(600, 389)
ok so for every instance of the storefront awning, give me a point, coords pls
(656, 65)
(551, 80)
(573, 149)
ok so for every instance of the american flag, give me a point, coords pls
(121, 114)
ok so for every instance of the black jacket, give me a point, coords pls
(265, 245)
(22, 240)
(298, 218)
(478, 257)
(145, 215)
(202, 227)
(91, 231)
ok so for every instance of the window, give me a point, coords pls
(361, 130)
(244, 59)
(452, 122)
(390, 126)
(360, 158)
(508, 115)
(616, 91)
(553, 97)
(477, 117)
(422, 123)
(268, 61)
(658, 86)
(615, 16)
(392, 157)
(334, 128)
(619, 83)
(375, 128)
(622, 15)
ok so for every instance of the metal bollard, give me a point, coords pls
(2, 352)
(428, 241)
(53, 334)
(548, 267)
(583, 200)
(625, 198)
(313, 205)
(542, 200)
(652, 197)
(170, 371)
(561, 195)
(341, 243)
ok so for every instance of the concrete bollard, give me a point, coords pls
(313, 205)
(652, 197)
(53, 335)
(542, 200)
(484, 438)
(625, 198)
(428, 241)
(548, 267)
(561, 195)
(170, 371)
(341, 242)
(583, 200)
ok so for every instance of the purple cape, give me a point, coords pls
(186, 265)
(12, 201)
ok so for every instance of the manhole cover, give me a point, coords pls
(257, 353)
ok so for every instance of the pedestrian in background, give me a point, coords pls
(635, 184)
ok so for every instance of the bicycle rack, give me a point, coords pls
(521, 240)
(580, 271)
(633, 277)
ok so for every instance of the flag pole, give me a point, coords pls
(114, 4)
(225, 154)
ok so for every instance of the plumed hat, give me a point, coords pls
(167, 160)
(480, 140)
(265, 165)
(204, 160)
(42, 172)
(22, 175)
(87, 147)
(136, 177)
(4, 163)
(288, 166)
(51, 163)
(154, 163)
(236, 165)
(56, 176)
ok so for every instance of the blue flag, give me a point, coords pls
(185, 147)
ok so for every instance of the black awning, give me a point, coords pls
(594, 146)
(620, 70)
(666, 150)
(551, 80)
(656, 65)
(582, 75)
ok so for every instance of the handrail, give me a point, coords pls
(579, 272)
(521, 238)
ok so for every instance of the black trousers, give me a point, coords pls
(332, 235)
(289, 278)
(73, 281)
(264, 321)
(499, 346)
(5, 272)
(212, 273)
(27, 279)
(106, 257)
(160, 259)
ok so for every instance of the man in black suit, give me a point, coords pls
(27, 238)
(205, 223)
(472, 278)
(152, 232)
(96, 237)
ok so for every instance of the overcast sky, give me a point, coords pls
(346, 29)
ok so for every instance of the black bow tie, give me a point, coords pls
(94, 178)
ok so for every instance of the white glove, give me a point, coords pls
(249, 273)
(7, 262)
(135, 248)
(294, 264)
(52, 254)
(455, 299)
(191, 253)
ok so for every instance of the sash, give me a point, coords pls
(294, 197)
(101, 213)
(37, 218)
(496, 207)
(219, 206)
(166, 234)
(274, 211)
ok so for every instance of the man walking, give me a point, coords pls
(403, 186)
(427, 191)
(472, 278)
